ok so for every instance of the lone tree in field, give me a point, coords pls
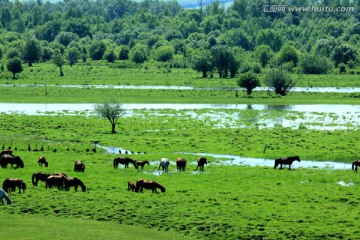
(249, 81)
(14, 65)
(279, 81)
(110, 110)
(59, 61)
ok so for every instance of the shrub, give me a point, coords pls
(314, 64)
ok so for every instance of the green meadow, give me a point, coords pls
(223, 202)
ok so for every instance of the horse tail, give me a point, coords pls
(33, 179)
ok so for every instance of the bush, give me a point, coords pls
(164, 53)
(342, 68)
(249, 81)
(314, 64)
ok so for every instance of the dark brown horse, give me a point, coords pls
(131, 186)
(180, 164)
(55, 181)
(39, 176)
(286, 161)
(79, 166)
(201, 162)
(148, 184)
(124, 161)
(8, 152)
(42, 160)
(11, 159)
(142, 163)
(10, 184)
(74, 182)
(355, 165)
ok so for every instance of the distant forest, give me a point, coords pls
(248, 35)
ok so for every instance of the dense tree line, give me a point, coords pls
(211, 39)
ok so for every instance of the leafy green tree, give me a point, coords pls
(97, 50)
(288, 53)
(343, 54)
(72, 54)
(264, 54)
(203, 62)
(124, 52)
(110, 56)
(314, 64)
(65, 38)
(279, 81)
(271, 38)
(59, 60)
(32, 51)
(222, 56)
(14, 65)
(249, 81)
(164, 53)
(110, 110)
(138, 53)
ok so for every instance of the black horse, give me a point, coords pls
(124, 161)
(355, 165)
(10, 184)
(79, 166)
(201, 162)
(11, 159)
(42, 160)
(286, 161)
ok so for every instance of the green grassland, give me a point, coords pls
(223, 202)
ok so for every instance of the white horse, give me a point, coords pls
(3, 194)
(164, 163)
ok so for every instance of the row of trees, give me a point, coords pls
(210, 39)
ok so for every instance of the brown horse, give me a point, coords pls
(142, 163)
(148, 184)
(131, 186)
(10, 184)
(39, 176)
(286, 161)
(201, 162)
(355, 165)
(11, 159)
(42, 160)
(180, 164)
(124, 161)
(79, 166)
(55, 181)
(74, 182)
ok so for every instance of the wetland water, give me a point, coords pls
(243, 161)
(159, 87)
(309, 116)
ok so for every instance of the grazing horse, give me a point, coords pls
(39, 176)
(11, 159)
(79, 166)
(75, 182)
(42, 160)
(3, 195)
(180, 164)
(201, 162)
(124, 161)
(286, 161)
(355, 165)
(55, 181)
(164, 164)
(10, 184)
(142, 163)
(8, 152)
(148, 184)
(131, 186)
